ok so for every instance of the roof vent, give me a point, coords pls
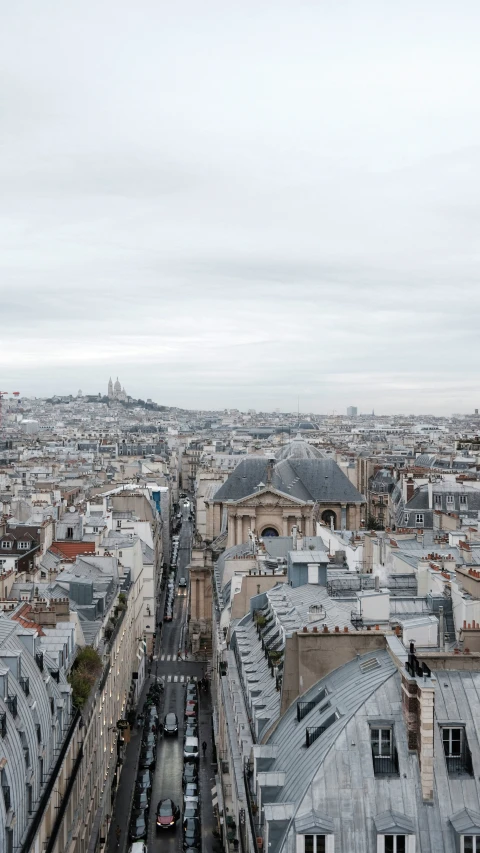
(369, 665)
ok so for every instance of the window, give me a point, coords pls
(23, 546)
(457, 752)
(470, 844)
(95, 529)
(419, 518)
(6, 545)
(69, 532)
(437, 501)
(463, 502)
(395, 843)
(450, 501)
(406, 517)
(382, 742)
(30, 798)
(315, 844)
(384, 752)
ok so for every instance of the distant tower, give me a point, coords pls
(110, 388)
(117, 389)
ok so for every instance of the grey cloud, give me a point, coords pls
(238, 205)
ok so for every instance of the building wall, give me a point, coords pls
(310, 656)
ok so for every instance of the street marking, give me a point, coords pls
(175, 678)
(182, 678)
(169, 679)
(163, 657)
(168, 657)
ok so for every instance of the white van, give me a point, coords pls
(138, 847)
(190, 748)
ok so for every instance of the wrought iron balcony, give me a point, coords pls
(386, 765)
(6, 797)
(12, 705)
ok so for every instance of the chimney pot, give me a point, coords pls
(346, 629)
(325, 629)
(337, 629)
(315, 629)
(377, 628)
(305, 629)
(466, 651)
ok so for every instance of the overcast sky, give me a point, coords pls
(239, 204)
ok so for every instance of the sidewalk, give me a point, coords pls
(124, 796)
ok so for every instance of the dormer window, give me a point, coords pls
(470, 844)
(457, 753)
(6, 545)
(384, 752)
(463, 501)
(450, 501)
(314, 834)
(23, 546)
(395, 833)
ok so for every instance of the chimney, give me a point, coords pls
(377, 583)
(410, 487)
(418, 708)
(430, 494)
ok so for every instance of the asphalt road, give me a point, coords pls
(167, 778)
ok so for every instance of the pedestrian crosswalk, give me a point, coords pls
(180, 679)
(170, 657)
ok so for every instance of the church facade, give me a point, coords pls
(270, 496)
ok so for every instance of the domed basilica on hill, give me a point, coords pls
(116, 392)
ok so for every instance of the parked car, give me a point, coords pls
(148, 759)
(191, 708)
(190, 794)
(167, 814)
(190, 773)
(191, 729)
(138, 824)
(138, 847)
(144, 782)
(141, 799)
(191, 692)
(191, 832)
(168, 616)
(170, 724)
(191, 809)
(190, 749)
(182, 582)
(149, 740)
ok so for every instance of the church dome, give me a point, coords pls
(298, 448)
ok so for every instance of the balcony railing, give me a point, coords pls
(12, 705)
(460, 765)
(386, 765)
(25, 685)
(39, 660)
(6, 797)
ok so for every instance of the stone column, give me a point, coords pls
(285, 530)
(299, 524)
(231, 529)
(217, 520)
(239, 536)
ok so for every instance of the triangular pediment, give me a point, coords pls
(268, 496)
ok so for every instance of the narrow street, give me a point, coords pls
(167, 776)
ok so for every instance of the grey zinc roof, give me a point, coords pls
(466, 822)
(298, 448)
(394, 823)
(301, 479)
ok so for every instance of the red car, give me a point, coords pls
(167, 814)
(191, 709)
